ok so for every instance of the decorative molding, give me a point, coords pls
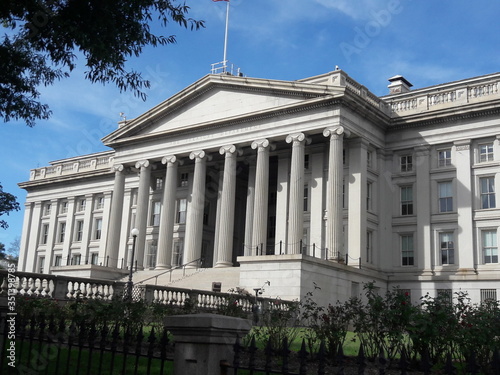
(142, 164)
(229, 150)
(336, 132)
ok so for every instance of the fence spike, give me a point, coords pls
(321, 358)
(361, 360)
(472, 366)
(269, 355)
(285, 354)
(448, 367)
(403, 362)
(425, 362)
(303, 358)
(382, 361)
(495, 363)
(252, 349)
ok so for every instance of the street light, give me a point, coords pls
(134, 233)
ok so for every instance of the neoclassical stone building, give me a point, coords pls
(309, 182)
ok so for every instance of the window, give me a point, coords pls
(184, 180)
(158, 183)
(488, 295)
(306, 198)
(58, 260)
(94, 258)
(41, 264)
(369, 196)
(445, 295)
(47, 209)
(64, 207)
(45, 234)
(62, 232)
(407, 257)
(99, 202)
(369, 159)
(79, 230)
(178, 252)
(82, 203)
(490, 249)
(151, 257)
(447, 248)
(406, 163)
(485, 152)
(487, 186)
(76, 260)
(445, 196)
(369, 244)
(406, 200)
(444, 158)
(180, 218)
(98, 229)
(306, 161)
(155, 218)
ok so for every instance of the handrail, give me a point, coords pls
(183, 266)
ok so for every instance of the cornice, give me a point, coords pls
(65, 178)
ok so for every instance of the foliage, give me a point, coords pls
(44, 36)
(8, 201)
(231, 305)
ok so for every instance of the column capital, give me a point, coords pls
(230, 149)
(297, 137)
(117, 168)
(171, 159)
(199, 154)
(142, 164)
(336, 131)
(262, 143)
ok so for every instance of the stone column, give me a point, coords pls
(259, 227)
(334, 190)
(141, 218)
(422, 252)
(225, 226)
(196, 206)
(167, 219)
(113, 237)
(249, 210)
(296, 205)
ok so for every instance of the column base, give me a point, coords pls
(163, 267)
(223, 264)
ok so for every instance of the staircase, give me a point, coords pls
(191, 278)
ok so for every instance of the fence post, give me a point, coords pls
(203, 341)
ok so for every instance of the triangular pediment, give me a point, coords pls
(215, 99)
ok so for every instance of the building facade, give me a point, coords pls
(310, 181)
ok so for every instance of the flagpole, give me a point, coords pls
(224, 61)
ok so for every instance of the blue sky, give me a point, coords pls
(429, 42)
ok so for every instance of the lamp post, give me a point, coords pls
(134, 233)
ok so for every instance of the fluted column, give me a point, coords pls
(113, 237)
(167, 219)
(142, 209)
(249, 210)
(194, 220)
(334, 192)
(259, 227)
(225, 226)
(296, 199)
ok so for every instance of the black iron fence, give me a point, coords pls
(282, 360)
(41, 345)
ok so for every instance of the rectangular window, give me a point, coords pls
(181, 211)
(158, 183)
(58, 260)
(79, 230)
(47, 209)
(447, 248)
(76, 260)
(41, 264)
(178, 252)
(155, 218)
(406, 163)
(445, 192)
(488, 295)
(369, 159)
(369, 196)
(487, 187)
(64, 207)
(407, 256)
(444, 158)
(62, 232)
(490, 249)
(406, 200)
(151, 257)
(445, 295)
(306, 198)
(98, 229)
(485, 152)
(369, 249)
(94, 259)
(99, 202)
(82, 203)
(184, 180)
(306, 161)
(45, 234)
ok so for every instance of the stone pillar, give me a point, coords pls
(113, 237)
(225, 226)
(25, 250)
(196, 206)
(259, 227)
(202, 341)
(141, 218)
(296, 206)
(334, 190)
(249, 210)
(167, 219)
(464, 205)
(422, 251)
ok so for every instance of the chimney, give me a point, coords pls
(398, 85)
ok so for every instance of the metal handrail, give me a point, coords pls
(183, 266)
